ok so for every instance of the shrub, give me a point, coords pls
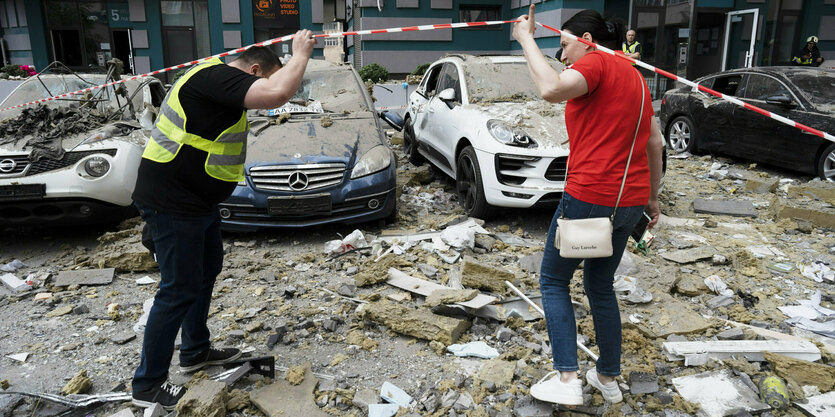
(14, 70)
(421, 69)
(374, 72)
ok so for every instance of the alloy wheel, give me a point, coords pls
(466, 183)
(679, 136)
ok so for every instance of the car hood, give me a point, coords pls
(114, 131)
(303, 138)
(542, 121)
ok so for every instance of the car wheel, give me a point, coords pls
(826, 164)
(410, 147)
(469, 185)
(681, 135)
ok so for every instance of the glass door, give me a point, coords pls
(740, 39)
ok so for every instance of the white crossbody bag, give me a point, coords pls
(592, 237)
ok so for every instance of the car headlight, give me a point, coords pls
(377, 159)
(96, 166)
(508, 135)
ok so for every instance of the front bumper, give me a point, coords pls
(521, 181)
(360, 200)
(71, 195)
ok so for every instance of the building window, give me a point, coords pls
(480, 13)
(185, 30)
(79, 33)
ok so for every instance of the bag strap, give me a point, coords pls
(631, 150)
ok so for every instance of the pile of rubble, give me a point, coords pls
(417, 319)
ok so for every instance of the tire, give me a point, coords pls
(826, 164)
(681, 135)
(410, 147)
(469, 186)
(392, 217)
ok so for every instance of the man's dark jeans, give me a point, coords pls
(189, 251)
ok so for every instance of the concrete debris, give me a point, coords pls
(365, 397)
(478, 349)
(718, 393)
(125, 412)
(426, 288)
(382, 410)
(79, 384)
(528, 406)
(820, 217)
(497, 371)
(395, 395)
(146, 280)
(726, 207)
(802, 372)
(375, 272)
(155, 410)
(420, 323)
(752, 350)
(85, 277)
(687, 256)
(12, 266)
(642, 383)
(206, 398)
(13, 283)
(450, 296)
(818, 406)
(482, 276)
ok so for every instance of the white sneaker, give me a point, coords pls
(611, 391)
(555, 391)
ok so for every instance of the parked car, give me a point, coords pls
(698, 122)
(480, 120)
(73, 160)
(322, 158)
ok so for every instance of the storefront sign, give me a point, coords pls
(276, 14)
(118, 12)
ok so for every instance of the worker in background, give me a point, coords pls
(632, 48)
(809, 55)
(193, 161)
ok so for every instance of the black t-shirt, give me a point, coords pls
(213, 100)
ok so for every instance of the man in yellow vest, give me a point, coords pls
(809, 55)
(631, 47)
(193, 161)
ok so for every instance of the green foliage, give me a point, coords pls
(178, 74)
(421, 69)
(374, 72)
(13, 70)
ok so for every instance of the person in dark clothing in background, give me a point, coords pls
(632, 48)
(193, 161)
(809, 55)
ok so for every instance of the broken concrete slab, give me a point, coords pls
(122, 338)
(823, 190)
(818, 406)
(731, 334)
(820, 216)
(802, 372)
(771, 334)
(642, 383)
(419, 323)
(450, 296)
(395, 395)
(667, 315)
(726, 207)
(61, 311)
(497, 371)
(718, 393)
(155, 410)
(532, 263)
(511, 239)
(425, 288)
(752, 350)
(528, 406)
(687, 256)
(281, 399)
(761, 185)
(85, 277)
(206, 398)
(374, 272)
(13, 283)
(486, 277)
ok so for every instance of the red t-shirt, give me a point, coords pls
(601, 125)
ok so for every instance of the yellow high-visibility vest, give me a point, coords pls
(630, 49)
(226, 153)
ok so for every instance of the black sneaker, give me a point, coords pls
(166, 394)
(211, 357)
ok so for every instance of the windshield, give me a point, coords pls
(818, 87)
(508, 81)
(336, 90)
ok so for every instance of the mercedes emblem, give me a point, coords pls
(8, 165)
(298, 181)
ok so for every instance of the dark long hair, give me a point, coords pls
(609, 33)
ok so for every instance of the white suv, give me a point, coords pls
(480, 120)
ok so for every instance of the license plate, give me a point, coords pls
(21, 191)
(303, 205)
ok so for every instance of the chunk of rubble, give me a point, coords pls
(481, 276)
(419, 323)
(85, 277)
(687, 256)
(427, 288)
(819, 405)
(375, 272)
(206, 398)
(802, 372)
(79, 384)
(477, 349)
(718, 393)
(395, 395)
(753, 350)
(819, 216)
(726, 207)
(449, 296)
(497, 371)
(281, 399)
(667, 315)
(14, 283)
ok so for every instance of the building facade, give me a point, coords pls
(687, 37)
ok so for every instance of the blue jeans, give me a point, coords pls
(598, 277)
(189, 251)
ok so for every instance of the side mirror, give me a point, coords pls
(784, 101)
(393, 119)
(448, 97)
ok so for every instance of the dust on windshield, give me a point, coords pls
(818, 87)
(338, 91)
(501, 82)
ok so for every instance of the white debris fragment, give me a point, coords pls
(354, 240)
(14, 283)
(715, 283)
(462, 235)
(817, 271)
(811, 316)
(394, 395)
(12, 266)
(478, 349)
(20, 357)
(630, 291)
(139, 327)
(146, 280)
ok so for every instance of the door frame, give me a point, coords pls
(749, 56)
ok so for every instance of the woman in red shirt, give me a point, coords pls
(604, 95)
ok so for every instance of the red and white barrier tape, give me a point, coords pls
(685, 81)
(270, 42)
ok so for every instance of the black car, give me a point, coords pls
(694, 121)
